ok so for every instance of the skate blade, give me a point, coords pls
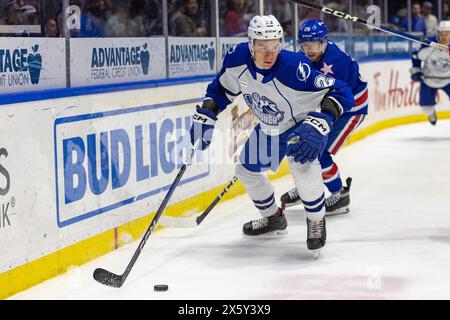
(337, 212)
(268, 235)
(316, 254)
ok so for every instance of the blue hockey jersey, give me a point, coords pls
(279, 97)
(340, 65)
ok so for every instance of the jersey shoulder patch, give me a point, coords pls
(239, 56)
(296, 65)
(322, 81)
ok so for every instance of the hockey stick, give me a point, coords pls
(380, 27)
(443, 78)
(192, 222)
(113, 280)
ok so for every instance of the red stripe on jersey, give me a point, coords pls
(347, 132)
(329, 173)
(362, 99)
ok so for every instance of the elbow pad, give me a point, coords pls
(331, 106)
(210, 104)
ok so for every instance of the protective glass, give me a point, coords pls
(263, 48)
(313, 46)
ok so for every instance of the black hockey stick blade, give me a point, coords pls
(108, 278)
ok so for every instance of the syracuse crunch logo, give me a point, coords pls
(264, 109)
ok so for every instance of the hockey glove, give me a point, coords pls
(313, 135)
(416, 74)
(202, 127)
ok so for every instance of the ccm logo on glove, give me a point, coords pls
(205, 120)
(320, 125)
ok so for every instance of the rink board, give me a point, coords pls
(82, 175)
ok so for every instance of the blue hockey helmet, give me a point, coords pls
(312, 30)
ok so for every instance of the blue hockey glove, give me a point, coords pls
(202, 127)
(313, 135)
(416, 74)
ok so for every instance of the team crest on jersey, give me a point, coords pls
(303, 71)
(322, 81)
(441, 65)
(264, 109)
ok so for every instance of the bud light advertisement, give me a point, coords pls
(107, 160)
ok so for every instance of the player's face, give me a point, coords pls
(444, 37)
(266, 52)
(312, 49)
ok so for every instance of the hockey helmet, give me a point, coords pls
(264, 28)
(444, 26)
(312, 30)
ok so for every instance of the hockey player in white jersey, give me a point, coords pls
(292, 102)
(431, 67)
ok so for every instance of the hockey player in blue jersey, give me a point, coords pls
(293, 102)
(431, 67)
(330, 60)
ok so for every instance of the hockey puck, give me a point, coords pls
(161, 287)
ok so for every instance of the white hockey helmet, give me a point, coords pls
(444, 26)
(264, 28)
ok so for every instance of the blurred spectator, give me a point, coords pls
(51, 29)
(100, 10)
(283, 12)
(11, 13)
(116, 26)
(154, 23)
(445, 11)
(93, 19)
(431, 22)
(249, 11)
(395, 20)
(418, 22)
(136, 23)
(334, 24)
(30, 15)
(183, 23)
(233, 23)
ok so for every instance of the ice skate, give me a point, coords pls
(339, 203)
(317, 236)
(274, 225)
(291, 198)
(432, 118)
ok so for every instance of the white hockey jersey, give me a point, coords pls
(281, 96)
(434, 64)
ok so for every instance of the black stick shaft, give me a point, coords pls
(383, 28)
(216, 200)
(153, 224)
(156, 218)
